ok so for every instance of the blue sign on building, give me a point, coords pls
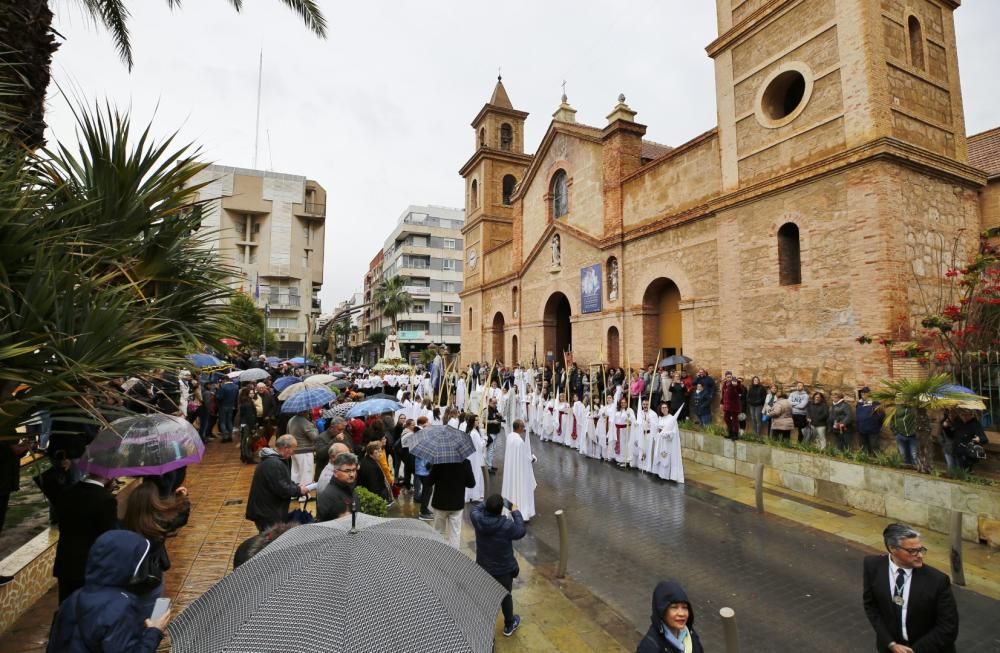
(591, 288)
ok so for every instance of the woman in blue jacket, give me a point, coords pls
(103, 616)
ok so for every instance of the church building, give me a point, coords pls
(827, 201)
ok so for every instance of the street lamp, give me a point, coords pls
(263, 335)
(440, 315)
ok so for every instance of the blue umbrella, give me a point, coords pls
(204, 360)
(373, 407)
(272, 360)
(307, 399)
(298, 360)
(956, 389)
(441, 444)
(285, 381)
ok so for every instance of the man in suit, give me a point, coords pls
(909, 604)
(84, 511)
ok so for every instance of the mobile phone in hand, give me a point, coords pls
(161, 606)
(507, 504)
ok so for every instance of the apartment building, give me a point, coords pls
(370, 321)
(426, 249)
(270, 227)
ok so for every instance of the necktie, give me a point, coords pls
(897, 597)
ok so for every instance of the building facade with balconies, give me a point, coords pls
(426, 249)
(270, 228)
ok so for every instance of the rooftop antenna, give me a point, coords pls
(270, 154)
(256, 126)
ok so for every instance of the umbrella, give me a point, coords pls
(441, 444)
(232, 342)
(381, 395)
(339, 374)
(374, 407)
(143, 445)
(235, 374)
(320, 379)
(676, 359)
(272, 360)
(972, 402)
(456, 611)
(308, 398)
(341, 410)
(253, 374)
(298, 360)
(340, 384)
(204, 360)
(285, 381)
(295, 388)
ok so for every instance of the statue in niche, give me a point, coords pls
(613, 279)
(556, 254)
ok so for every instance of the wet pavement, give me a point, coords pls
(792, 586)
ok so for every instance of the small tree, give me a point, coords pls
(391, 298)
(245, 322)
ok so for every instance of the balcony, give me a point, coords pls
(282, 300)
(315, 304)
(413, 335)
(312, 210)
(418, 291)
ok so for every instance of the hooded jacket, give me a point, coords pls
(667, 592)
(103, 616)
(494, 540)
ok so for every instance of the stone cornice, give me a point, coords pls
(555, 127)
(680, 149)
(489, 152)
(482, 217)
(492, 108)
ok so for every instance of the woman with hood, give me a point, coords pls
(104, 616)
(672, 628)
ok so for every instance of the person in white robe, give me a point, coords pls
(518, 475)
(476, 493)
(581, 420)
(621, 423)
(548, 419)
(461, 391)
(667, 461)
(645, 428)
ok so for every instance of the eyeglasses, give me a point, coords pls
(920, 551)
(347, 470)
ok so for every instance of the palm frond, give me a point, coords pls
(113, 15)
(310, 13)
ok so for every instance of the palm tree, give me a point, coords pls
(105, 274)
(391, 298)
(341, 331)
(28, 42)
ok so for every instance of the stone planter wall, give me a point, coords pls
(906, 496)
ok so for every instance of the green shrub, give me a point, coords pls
(370, 503)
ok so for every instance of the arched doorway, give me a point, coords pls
(614, 346)
(498, 322)
(513, 350)
(661, 320)
(558, 329)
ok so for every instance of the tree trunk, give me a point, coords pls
(27, 43)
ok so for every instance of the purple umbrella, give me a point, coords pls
(143, 445)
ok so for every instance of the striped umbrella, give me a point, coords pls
(441, 444)
(456, 612)
(307, 399)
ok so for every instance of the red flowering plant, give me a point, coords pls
(967, 316)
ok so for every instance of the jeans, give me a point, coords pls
(705, 419)
(205, 423)
(423, 489)
(820, 437)
(507, 605)
(756, 423)
(907, 448)
(870, 441)
(490, 450)
(226, 422)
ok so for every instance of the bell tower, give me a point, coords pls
(492, 175)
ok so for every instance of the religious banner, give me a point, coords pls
(591, 288)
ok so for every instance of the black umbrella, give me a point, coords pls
(266, 603)
(676, 359)
(382, 395)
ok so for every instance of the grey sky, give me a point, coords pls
(379, 112)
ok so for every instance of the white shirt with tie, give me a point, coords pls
(908, 578)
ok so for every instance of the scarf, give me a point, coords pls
(681, 643)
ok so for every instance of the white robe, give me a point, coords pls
(584, 427)
(518, 476)
(461, 394)
(578, 425)
(618, 435)
(667, 461)
(476, 458)
(641, 440)
(606, 431)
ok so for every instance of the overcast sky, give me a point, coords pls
(379, 112)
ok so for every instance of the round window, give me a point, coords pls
(784, 95)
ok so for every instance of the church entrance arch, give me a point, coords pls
(498, 323)
(558, 329)
(661, 321)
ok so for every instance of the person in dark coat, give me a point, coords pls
(103, 616)
(370, 475)
(257, 543)
(85, 511)
(337, 499)
(272, 487)
(672, 622)
(448, 501)
(732, 404)
(495, 535)
(909, 604)
(247, 416)
(225, 398)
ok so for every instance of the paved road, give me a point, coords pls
(793, 588)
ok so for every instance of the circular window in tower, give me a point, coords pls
(784, 95)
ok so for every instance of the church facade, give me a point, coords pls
(826, 203)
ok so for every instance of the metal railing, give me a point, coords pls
(980, 371)
(276, 299)
(314, 208)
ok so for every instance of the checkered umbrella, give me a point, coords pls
(308, 398)
(441, 444)
(271, 602)
(341, 410)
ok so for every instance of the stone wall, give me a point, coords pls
(917, 499)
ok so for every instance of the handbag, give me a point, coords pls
(764, 417)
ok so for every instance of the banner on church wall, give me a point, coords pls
(591, 288)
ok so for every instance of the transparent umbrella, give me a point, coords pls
(143, 445)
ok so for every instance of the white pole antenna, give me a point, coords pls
(256, 126)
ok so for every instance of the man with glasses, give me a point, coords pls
(909, 604)
(337, 499)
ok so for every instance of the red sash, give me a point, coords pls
(618, 437)
(573, 434)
